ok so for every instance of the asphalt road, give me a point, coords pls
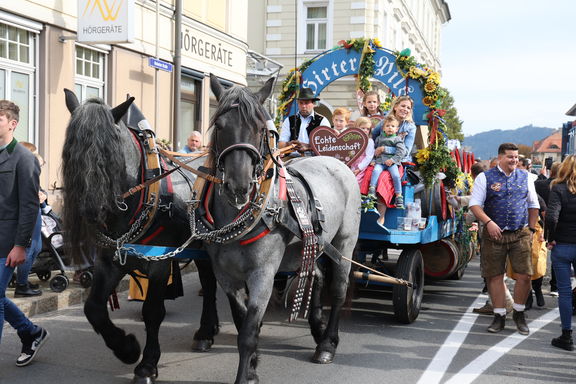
(446, 344)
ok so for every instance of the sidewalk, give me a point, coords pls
(73, 295)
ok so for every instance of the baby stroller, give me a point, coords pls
(52, 256)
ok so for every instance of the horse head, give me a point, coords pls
(239, 138)
(94, 165)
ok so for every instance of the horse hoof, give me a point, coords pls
(130, 350)
(202, 345)
(323, 357)
(143, 380)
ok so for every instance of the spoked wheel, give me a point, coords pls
(59, 283)
(407, 300)
(86, 279)
(44, 275)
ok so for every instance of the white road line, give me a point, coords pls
(475, 368)
(443, 358)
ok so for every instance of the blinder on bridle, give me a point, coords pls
(255, 153)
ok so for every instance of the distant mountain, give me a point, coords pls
(485, 144)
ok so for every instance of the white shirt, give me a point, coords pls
(479, 191)
(303, 134)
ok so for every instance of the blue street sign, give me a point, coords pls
(159, 64)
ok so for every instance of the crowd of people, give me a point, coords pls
(521, 215)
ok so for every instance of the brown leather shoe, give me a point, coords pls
(497, 324)
(487, 309)
(520, 321)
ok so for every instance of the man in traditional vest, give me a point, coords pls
(506, 202)
(296, 129)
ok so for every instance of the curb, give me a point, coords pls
(73, 295)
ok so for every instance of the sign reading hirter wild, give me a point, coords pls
(346, 147)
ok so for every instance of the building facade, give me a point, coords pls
(39, 57)
(290, 32)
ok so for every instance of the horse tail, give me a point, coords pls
(94, 172)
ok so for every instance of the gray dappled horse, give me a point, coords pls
(246, 272)
(101, 160)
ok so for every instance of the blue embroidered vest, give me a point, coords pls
(506, 198)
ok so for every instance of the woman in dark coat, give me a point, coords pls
(560, 229)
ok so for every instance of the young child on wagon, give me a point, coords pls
(360, 164)
(371, 105)
(340, 119)
(390, 162)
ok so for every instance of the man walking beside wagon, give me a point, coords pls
(506, 203)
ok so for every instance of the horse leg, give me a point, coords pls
(106, 278)
(153, 312)
(326, 349)
(209, 324)
(315, 319)
(260, 290)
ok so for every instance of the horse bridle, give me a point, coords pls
(257, 153)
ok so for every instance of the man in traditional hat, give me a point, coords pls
(296, 129)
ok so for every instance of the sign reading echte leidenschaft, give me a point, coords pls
(106, 21)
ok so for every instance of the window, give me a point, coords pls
(89, 79)
(316, 28)
(17, 75)
(189, 109)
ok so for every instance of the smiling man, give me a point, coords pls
(505, 200)
(296, 129)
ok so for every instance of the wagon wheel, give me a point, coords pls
(407, 300)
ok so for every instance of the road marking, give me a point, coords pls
(443, 358)
(475, 368)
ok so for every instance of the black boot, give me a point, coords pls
(24, 290)
(497, 324)
(537, 287)
(564, 341)
(520, 321)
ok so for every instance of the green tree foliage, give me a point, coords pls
(453, 122)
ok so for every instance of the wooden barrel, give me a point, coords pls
(440, 258)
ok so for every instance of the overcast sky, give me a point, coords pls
(510, 63)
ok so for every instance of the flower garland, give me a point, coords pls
(291, 84)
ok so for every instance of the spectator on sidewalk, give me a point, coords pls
(19, 185)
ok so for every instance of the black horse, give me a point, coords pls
(245, 268)
(102, 159)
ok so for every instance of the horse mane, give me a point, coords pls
(249, 110)
(94, 172)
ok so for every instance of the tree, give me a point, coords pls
(525, 150)
(453, 122)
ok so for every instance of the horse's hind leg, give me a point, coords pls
(209, 325)
(315, 318)
(106, 278)
(326, 346)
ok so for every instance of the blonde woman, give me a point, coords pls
(560, 228)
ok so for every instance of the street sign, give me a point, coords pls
(159, 64)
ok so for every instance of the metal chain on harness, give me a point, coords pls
(219, 236)
(306, 274)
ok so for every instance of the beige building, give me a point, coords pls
(290, 32)
(40, 56)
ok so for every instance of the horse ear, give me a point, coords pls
(215, 86)
(71, 100)
(265, 91)
(121, 110)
